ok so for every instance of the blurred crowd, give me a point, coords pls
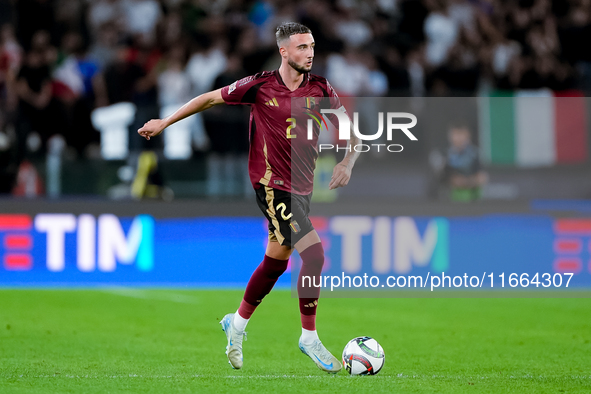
(60, 59)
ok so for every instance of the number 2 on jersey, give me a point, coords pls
(282, 207)
(291, 126)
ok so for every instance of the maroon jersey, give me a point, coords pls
(281, 156)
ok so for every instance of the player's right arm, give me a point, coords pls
(200, 103)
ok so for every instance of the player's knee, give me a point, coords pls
(275, 268)
(316, 263)
(313, 256)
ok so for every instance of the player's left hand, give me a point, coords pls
(340, 176)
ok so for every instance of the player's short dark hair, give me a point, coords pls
(288, 29)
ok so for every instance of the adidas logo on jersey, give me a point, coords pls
(273, 102)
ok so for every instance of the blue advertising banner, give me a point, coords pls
(62, 249)
(68, 250)
(496, 251)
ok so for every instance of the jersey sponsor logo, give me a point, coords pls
(278, 182)
(232, 87)
(273, 102)
(245, 80)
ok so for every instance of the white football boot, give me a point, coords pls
(234, 348)
(321, 356)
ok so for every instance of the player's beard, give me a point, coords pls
(297, 67)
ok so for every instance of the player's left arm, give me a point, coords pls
(342, 171)
(200, 103)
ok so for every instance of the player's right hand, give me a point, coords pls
(152, 128)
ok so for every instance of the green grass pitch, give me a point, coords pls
(165, 341)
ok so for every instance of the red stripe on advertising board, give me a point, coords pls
(568, 265)
(573, 226)
(570, 127)
(18, 262)
(18, 242)
(320, 223)
(568, 246)
(15, 222)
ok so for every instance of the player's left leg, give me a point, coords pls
(312, 254)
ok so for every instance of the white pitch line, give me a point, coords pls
(529, 377)
(152, 295)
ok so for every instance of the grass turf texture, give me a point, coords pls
(126, 340)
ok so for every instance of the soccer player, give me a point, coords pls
(282, 182)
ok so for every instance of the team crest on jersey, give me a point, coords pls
(232, 87)
(295, 227)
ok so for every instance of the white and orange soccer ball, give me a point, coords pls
(363, 356)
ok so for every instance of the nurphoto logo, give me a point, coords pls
(345, 130)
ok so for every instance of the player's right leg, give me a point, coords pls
(260, 284)
(235, 338)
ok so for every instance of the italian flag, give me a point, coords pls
(533, 128)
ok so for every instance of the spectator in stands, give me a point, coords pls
(92, 93)
(253, 56)
(420, 47)
(145, 90)
(377, 82)
(104, 13)
(10, 50)
(396, 72)
(41, 42)
(33, 16)
(172, 28)
(39, 116)
(461, 71)
(413, 14)
(227, 163)
(103, 50)
(10, 62)
(462, 171)
(140, 17)
(8, 166)
(416, 70)
(121, 77)
(205, 64)
(348, 72)
(441, 32)
(10, 59)
(351, 29)
(174, 84)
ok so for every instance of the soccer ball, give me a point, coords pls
(363, 356)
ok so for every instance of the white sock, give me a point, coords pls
(308, 336)
(240, 322)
